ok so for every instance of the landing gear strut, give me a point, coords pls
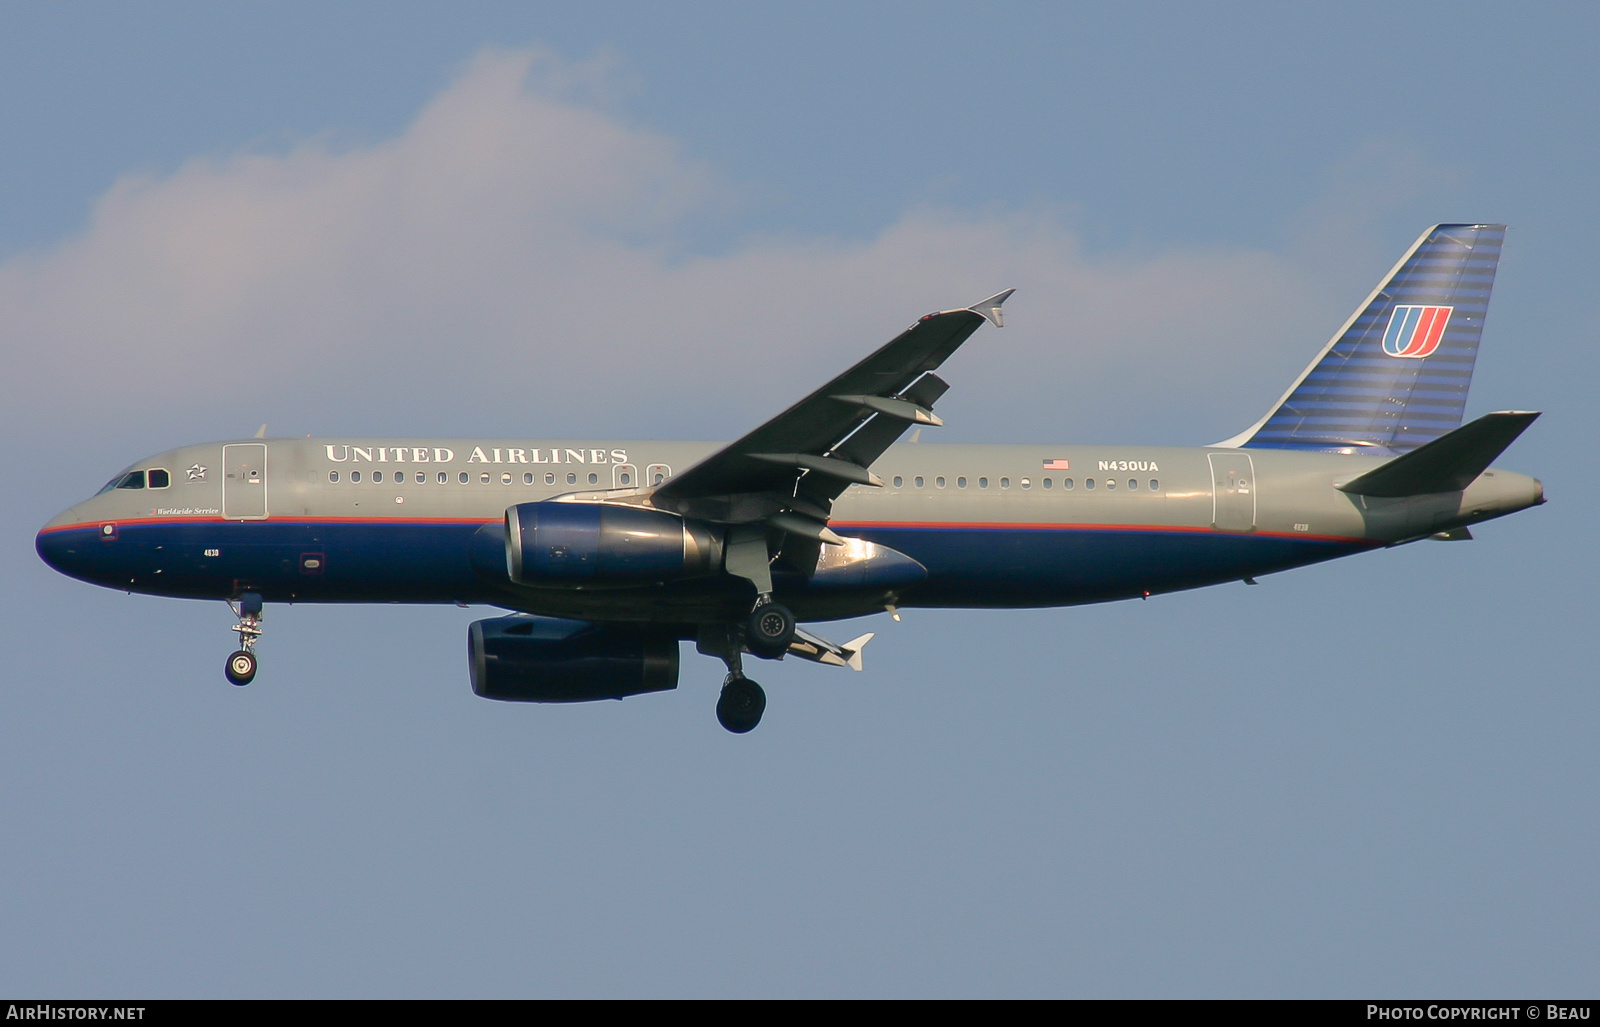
(742, 701)
(241, 669)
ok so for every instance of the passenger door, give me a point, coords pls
(1233, 492)
(244, 481)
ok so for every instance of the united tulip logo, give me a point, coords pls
(1415, 331)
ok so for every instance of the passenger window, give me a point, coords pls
(1088, 483)
(527, 477)
(333, 475)
(550, 478)
(377, 476)
(1133, 483)
(594, 479)
(444, 477)
(1024, 483)
(505, 479)
(483, 479)
(572, 479)
(627, 479)
(919, 480)
(1111, 483)
(355, 475)
(463, 477)
(939, 481)
(1005, 483)
(132, 480)
(961, 483)
(422, 477)
(983, 483)
(1154, 485)
(1047, 484)
(159, 479)
(898, 481)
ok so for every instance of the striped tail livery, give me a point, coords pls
(1395, 376)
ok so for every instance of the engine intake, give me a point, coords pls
(547, 659)
(575, 543)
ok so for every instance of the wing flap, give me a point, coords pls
(869, 405)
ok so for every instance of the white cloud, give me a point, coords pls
(512, 251)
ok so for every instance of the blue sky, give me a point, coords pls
(1374, 777)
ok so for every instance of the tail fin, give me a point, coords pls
(1396, 375)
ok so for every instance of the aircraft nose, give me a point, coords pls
(61, 544)
(53, 549)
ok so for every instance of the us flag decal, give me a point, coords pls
(1415, 331)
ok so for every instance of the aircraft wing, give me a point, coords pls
(790, 469)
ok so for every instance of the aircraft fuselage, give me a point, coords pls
(421, 521)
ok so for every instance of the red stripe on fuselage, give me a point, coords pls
(270, 520)
(836, 525)
(1056, 526)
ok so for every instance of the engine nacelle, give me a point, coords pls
(547, 659)
(582, 543)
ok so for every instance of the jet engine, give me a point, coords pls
(597, 543)
(548, 659)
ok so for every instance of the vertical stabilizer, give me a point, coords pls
(1395, 376)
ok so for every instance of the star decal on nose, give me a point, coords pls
(197, 473)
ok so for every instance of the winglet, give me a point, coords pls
(989, 309)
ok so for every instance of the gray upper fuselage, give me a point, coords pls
(1287, 492)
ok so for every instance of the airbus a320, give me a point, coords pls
(611, 553)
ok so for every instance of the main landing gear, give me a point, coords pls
(241, 669)
(766, 633)
(769, 629)
(741, 704)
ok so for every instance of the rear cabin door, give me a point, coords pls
(244, 481)
(1233, 492)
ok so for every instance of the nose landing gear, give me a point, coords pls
(241, 668)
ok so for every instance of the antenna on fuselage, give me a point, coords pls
(261, 432)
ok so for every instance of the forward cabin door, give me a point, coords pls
(1233, 492)
(244, 482)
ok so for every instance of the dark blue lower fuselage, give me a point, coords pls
(294, 560)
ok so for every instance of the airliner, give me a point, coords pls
(608, 554)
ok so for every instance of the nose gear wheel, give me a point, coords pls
(241, 669)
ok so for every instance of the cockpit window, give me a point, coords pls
(132, 480)
(159, 478)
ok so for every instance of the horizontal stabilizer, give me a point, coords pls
(817, 649)
(1447, 464)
